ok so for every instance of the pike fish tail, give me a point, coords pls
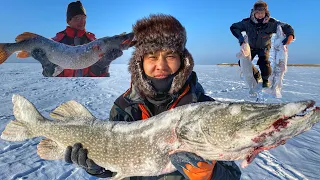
(22, 45)
(26, 115)
(4, 54)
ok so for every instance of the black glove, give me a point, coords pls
(47, 66)
(241, 40)
(284, 42)
(78, 155)
(97, 70)
(103, 64)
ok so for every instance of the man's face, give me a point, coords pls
(78, 22)
(259, 14)
(161, 64)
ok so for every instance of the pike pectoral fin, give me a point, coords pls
(50, 150)
(71, 110)
(23, 54)
(25, 36)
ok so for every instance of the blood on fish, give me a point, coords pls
(280, 123)
(257, 150)
(96, 47)
(101, 55)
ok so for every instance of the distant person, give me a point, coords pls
(75, 34)
(162, 78)
(259, 28)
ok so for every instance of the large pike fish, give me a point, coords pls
(279, 55)
(212, 130)
(246, 67)
(65, 56)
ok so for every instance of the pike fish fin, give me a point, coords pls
(25, 36)
(16, 131)
(50, 150)
(71, 110)
(119, 175)
(23, 54)
(24, 111)
(3, 53)
(26, 114)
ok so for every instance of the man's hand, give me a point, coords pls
(192, 166)
(287, 40)
(47, 66)
(79, 156)
(103, 64)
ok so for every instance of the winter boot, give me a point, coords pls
(257, 76)
(265, 83)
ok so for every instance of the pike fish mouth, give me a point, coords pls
(275, 127)
(310, 107)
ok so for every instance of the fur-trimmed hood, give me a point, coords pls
(159, 32)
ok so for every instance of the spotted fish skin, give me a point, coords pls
(212, 130)
(66, 56)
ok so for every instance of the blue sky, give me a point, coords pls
(207, 22)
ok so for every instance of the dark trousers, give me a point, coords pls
(263, 62)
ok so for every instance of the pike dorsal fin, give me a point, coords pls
(71, 110)
(25, 36)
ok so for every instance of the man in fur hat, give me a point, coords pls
(259, 28)
(162, 78)
(75, 34)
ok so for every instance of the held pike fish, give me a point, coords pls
(212, 130)
(279, 54)
(246, 67)
(65, 56)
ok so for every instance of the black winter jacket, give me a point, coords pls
(259, 34)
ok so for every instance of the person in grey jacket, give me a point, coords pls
(259, 28)
(162, 78)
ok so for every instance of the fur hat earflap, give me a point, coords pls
(159, 32)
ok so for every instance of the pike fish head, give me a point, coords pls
(241, 130)
(120, 42)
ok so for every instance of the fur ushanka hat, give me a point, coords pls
(260, 6)
(159, 32)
